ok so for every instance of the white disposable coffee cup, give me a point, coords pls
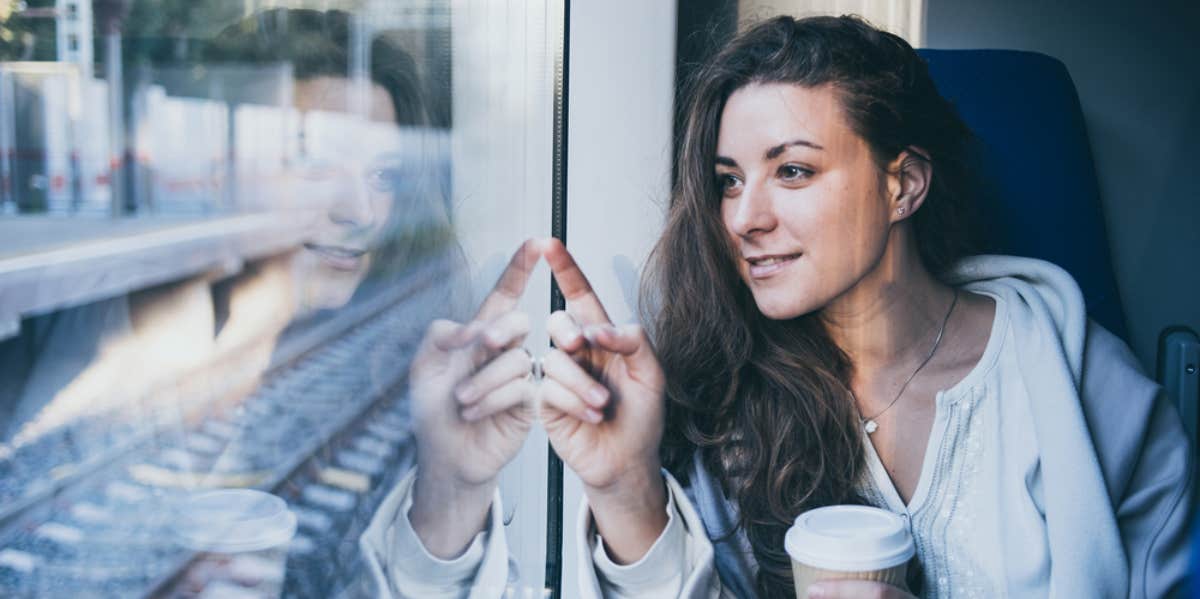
(242, 536)
(848, 542)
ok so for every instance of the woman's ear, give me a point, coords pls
(909, 177)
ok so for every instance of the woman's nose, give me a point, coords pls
(752, 212)
(351, 205)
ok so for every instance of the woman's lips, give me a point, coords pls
(338, 257)
(762, 267)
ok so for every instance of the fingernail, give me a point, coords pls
(598, 395)
(465, 393)
(816, 591)
(593, 416)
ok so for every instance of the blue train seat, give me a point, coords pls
(1039, 196)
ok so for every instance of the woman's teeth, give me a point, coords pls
(772, 260)
(764, 267)
(339, 258)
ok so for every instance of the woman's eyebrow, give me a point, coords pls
(726, 161)
(774, 152)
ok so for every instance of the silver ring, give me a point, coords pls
(535, 366)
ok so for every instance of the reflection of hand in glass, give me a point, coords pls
(602, 407)
(471, 408)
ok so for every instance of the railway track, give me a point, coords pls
(327, 430)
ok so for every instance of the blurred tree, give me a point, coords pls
(155, 31)
(26, 30)
(166, 31)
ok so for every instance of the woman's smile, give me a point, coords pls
(338, 257)
(763, 266)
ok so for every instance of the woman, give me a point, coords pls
(820, 339)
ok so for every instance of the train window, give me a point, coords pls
(226, 228)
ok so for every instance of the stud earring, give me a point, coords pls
(900, 211)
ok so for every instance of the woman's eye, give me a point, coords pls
(727, 183)
(792, 172)
(382, 179)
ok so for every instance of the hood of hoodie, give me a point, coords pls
(1049, 325)
(1049, 295)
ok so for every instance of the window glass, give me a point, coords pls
(225, 228)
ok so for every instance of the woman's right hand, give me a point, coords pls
(602, 407)
(472, 409)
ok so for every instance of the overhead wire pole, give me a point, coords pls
(111, 13)
(73, 29)
(560, 18)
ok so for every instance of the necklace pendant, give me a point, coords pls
(870, 426)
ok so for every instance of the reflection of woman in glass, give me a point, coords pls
(369, 204)
(820, 339)
(373, 210)
(369, 208)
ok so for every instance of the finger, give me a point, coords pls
(573, 284)
(565, 332)
(464, 335)
(505, 331)
(512, 364)
(559, 367)
(830, 589)
(507, 292)
(514, 393)
(626, 340)
(558, 397)
(444, 334)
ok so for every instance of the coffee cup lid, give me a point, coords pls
(849, 538)
(233, 521)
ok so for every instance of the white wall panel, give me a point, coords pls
(622, 77)
(905, 18)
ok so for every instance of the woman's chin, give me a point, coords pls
(331, 293)
(327, 286)
(778, 311)
(781, 306)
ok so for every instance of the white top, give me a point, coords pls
(399, 566)
(964, 489)
(980, 485)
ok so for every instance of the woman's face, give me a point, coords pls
(803, 202)
(338, 183)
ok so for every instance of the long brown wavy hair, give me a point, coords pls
(766, 402)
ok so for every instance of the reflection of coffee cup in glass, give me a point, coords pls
(848, 542)
(242, 536)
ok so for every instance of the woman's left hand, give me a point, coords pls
(855, 589)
